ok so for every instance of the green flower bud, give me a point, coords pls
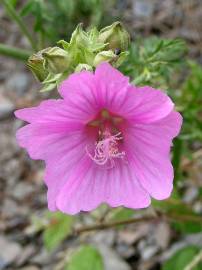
(116, 36)
(57, 60)
(82, 67)
(104, 56)
(36, 65)
(79, 37)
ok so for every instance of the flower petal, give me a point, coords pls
(148, 148)
(89, 186)
(112, 87)
(79, 90)
(61, 165)
(145, 105)
(52, 111)
(105, 73)
(43, 140)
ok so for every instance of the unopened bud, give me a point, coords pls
(36, 65)
(57, 60)
(79, 37)
(116, 36)
(83, 67)
(104, 56)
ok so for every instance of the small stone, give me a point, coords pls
(18, 83)
(43, 257)
(10, 251)
(6, 107)
(106, 238)
(125, 250)
(112, 260)
(149, 252)
(10, 208)
(22, 190)
(143, 8)
(31, 267)
(190, 195)
(198, 207)
(25, 255)
(131, 237)
(162, 235)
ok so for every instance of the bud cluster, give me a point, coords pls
(85, 51)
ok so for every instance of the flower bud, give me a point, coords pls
(36, 64)
(116, 36)
(83, 67)
(104, 56)
(79, 37)
(57, 60)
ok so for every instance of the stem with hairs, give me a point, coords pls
(15, 16)
(14, 52)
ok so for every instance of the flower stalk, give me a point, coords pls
(14, 52)
(152, 218)
(15, 16)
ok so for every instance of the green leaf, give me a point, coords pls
(154, 60)
(182, 258)
(86, 258)
(188, 226)
(176, 207)
(59, 228)
(27, 8)
(13, 2)
(67, 6)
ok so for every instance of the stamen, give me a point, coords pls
(106, 150)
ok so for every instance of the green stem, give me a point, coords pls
(15, 16)
(167, 216)
(177, 153)
(14, 52)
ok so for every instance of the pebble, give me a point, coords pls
(18, 83)
(143, 8)
(22, 190)
(30, 267)
(10, 251)
(6, 107)
(162, 235)
(42, 258)
(25, 255)
(107, 237)
(190, 195)
(149, 252)
(112, 260)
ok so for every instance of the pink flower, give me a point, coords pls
(105, 141)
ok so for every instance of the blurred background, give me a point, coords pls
(31, 238)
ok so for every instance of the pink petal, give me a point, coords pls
(111, 87)
(79, 90)
(106, 74)
(94, 92)
(146, 105)
(43, 140)
(148, 148)
(51, 111)
(89, 186)
(61, 165)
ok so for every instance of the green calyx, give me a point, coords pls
(116, 36)
(85, 51)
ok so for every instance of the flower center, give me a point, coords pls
(106, 148)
